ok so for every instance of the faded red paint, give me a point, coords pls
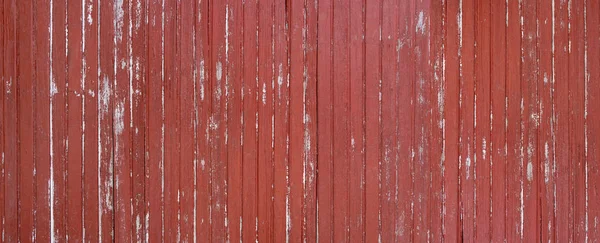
(329, 120)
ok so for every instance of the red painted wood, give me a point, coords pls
(325, 121)
(24, 88)
(281, 123)
(372, 120)
(483, 121)
(74, 178)
(153, 187)
(564, 220)
(139, 81)
(10, 168)
(391, 220)
(514, 170)
(91, 186)
(576, 118)
(250, 137)
(234, 120)
(498, 113)
(357, 113)
(296, 123)
(467, 120)
(171, 96)
(273, 121)
(310, 122)
(122, 125)
(265, 122)
(202, 92)
(546, 135)
(592, 109)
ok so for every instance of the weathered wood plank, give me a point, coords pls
(498, 153)
(265, 122)
(372, 119)
(153, 187)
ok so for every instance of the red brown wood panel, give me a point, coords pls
(564, 222)
(265, 121)
(482, 122)
(122, 124)
(302, 121)
(514, 170)
(74, 186)
(24, 82)
(592, 107)
(498, 153)
(138, 78)
(153, 187)
(234, 119)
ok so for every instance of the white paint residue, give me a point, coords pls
(529, 171)
(264, 94)
(118, 22)
(468, 166)
(53, 88)
(89, 14)
(104, 96)
(484, 148)
(546, 163)
(421, 23)
(118, 116)
(219, 70)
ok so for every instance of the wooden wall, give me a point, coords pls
(300, 120)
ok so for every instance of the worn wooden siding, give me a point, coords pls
(316, 120)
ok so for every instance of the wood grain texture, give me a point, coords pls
(299, 121)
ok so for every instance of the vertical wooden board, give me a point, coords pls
(122, 124)
(325, 121)
(296, 142)
(546, 134)
(172, 92)
(58, 128)
(187, 118)
(281, 115)
(202, 92)
(265, 115)
(482, 121)
(437, 16)
(74, 186)
(466, 100)
(24, 85)
(404, 118)
(564, 222)
(451, 122)
(153, 189)
(372, 119)
(576, 118)
(106, 88)
(593, 109)
(217, 125)
(529, 120)
(341, 120)
(514, 223)
(234, 120)
(10, 224)
(389, 114)
(310, 122)
(2, 51)
(422, 126)
(10, 124)
(250, 102)
(356, 122)
(138, 47)
(90, 130)
(498, 116)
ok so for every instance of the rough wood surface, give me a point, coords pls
(299, 121)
